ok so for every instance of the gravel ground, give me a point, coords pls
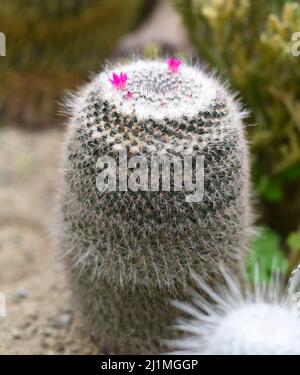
(39, 316)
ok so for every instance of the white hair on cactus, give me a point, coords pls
(183, 94)
(259, 320)
(172, 95)
(294, 288)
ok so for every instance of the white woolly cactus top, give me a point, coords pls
(153, 90)
(171, 93)
(259, 321)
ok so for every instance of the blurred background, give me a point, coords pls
(53, 46)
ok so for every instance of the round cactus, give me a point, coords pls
(231, 321)
(128, 252)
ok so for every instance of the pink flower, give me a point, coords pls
(129, 95)
(119, 81)
(173, 64)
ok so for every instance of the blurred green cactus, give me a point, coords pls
(51, 46)
(251, 42)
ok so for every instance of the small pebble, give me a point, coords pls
(68, 309)
(25, 324)
(47, 332)
(59, 348)
(61, 321)
(16, 334)
(31, 311)
(20, 294)
(44, 344)
(34, 331)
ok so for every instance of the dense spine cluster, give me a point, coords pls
(128, 252)
(232, 321)
(294, 288)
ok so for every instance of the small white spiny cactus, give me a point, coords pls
(129, 252)
(258, 321)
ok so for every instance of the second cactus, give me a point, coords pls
(128, 252)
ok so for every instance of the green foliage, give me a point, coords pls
(250, 42)
(51, 47)
(60, 35)
(266, 254)
(293, 241)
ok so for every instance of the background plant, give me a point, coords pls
(250, 43)
(51, 47)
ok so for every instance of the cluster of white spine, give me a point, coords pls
(259, 321)
(294, 288)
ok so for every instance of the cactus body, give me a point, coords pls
(129, 252)
(234, 322)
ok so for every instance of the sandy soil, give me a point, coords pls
(39, 317)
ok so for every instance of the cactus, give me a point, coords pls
(255, 321)
(127, 253)
(51, 44)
